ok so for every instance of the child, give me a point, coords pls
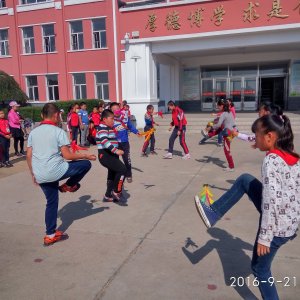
(46, 158)
(266, 108)
(179, 121)
(74, 122)
(149, 124)
(5, 136)
(276, 198)
(231, 107)
(226, 122)
(95, 117)
(109, 158)
(92, 133)
(122, 125)
(14, 120)
(84, 124)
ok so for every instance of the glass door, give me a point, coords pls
(236, 92)
(250, 94)
(207, 95)
(221, 89)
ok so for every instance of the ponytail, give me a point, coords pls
(282, 126)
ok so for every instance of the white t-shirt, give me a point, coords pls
(47, 163)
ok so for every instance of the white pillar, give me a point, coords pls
(139, 83)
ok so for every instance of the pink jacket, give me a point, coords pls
(14, 119)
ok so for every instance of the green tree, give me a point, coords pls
(10, 89)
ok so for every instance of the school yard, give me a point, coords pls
(155, 248)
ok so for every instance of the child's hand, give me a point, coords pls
(178, 132)
(139, 134)
(170, 128)
(34, 180)
(91, 157)
(119, 152)
(235, 133)
(8, 136)
(253, 146)
(262, 249)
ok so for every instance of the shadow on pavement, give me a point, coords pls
(77, 210)
(215, 160)
(235, 262)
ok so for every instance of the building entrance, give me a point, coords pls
(272, 90)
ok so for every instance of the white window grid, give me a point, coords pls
(76, 39)
(48, 41)
(32, 90)
(28, 43)
(102, 88)
(34, 1)
(97, 38)
(2, 3)
(4, 45)
(78, 87)
(52, 89)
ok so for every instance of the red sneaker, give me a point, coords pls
(65, 188)
(59, 236)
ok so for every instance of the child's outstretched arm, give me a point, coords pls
(68, 155)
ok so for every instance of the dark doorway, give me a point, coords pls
(272, 89)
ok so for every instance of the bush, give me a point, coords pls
(34, 112)
(10, 89)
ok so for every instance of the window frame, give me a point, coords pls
(99, 32)
(28, 39)
(80, 87)
(52, 87)
(3, 4)
(101, 86)
(49, 38)
(78, 35)
(34, 88)
(5, 43)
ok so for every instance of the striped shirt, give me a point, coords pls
(106, 138)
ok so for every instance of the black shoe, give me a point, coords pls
(23, 152)
(7, 164)
(1, 165)
(153, 152)
(18, 154)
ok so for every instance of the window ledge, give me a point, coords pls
(5, 56)
(38, 53)
(35, 6)
(91, 49)
(75, 2)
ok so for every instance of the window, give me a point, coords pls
(2, 3)
(48, 38)
(79, 84)
(76, 35)
(102, 85)
(28, 40)
(52, 87)
(4, 49)
(99, 33)
(32, 88)
(33, 1)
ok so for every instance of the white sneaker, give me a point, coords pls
(186, 156)
(227, 169)
(168, 155)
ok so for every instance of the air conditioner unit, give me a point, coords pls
(135, 34)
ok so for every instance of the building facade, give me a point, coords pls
(153, 51)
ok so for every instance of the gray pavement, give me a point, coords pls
(140, 251)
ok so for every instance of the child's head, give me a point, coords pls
(14, 105)
(230, 102)
(223, 105)
(50, 111)
(274, 132)
(95, 109)
(107, 117)
(76, 107)
(2, 114)
(91, 124)
(171, 105)
(114, 106)
(126, 107)
(150, 108)
(269, 108)
(83, 105)
(101, 108)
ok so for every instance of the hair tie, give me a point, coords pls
(282, 119)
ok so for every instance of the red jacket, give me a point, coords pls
(4, 127)
(178, 118)
(96, 118)
(74, 120)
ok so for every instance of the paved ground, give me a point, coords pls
(140, 251)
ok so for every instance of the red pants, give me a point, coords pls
(228, 153)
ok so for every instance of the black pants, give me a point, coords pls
(116, 171)
(75, 131)
(125, 146)
(4, 149)
(151, 141)
(18, 136)
(182, 142)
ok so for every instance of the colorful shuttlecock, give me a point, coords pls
(206, 195)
